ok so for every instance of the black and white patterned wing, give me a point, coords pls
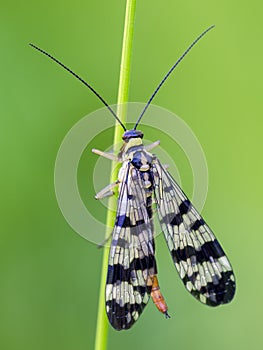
(198, 257)
(131, 256)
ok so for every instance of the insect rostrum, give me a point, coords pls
(132, 271)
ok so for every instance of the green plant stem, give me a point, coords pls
(125, 68)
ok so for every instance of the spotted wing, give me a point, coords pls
(198, 257)
(131, 257)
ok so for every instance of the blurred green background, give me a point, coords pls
(50, 275)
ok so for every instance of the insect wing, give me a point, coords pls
(198, 257)
(131, 256)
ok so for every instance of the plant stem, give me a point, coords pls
(125, 69)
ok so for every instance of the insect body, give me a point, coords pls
(132, 271)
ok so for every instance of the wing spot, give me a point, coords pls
(185, 206)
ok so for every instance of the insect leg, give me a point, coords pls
(110, 156)
(152, 145)
(107, 191)
(102, 244)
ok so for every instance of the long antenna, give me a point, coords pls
(83, 81)
(169, 72)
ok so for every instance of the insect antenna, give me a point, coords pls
(168, 73)
(83, 81)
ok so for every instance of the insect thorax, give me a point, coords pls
(135, 156)
(134, 152)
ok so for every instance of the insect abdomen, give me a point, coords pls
(158, 298)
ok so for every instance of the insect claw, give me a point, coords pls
(102, 244)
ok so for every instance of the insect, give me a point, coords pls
(132, 270)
